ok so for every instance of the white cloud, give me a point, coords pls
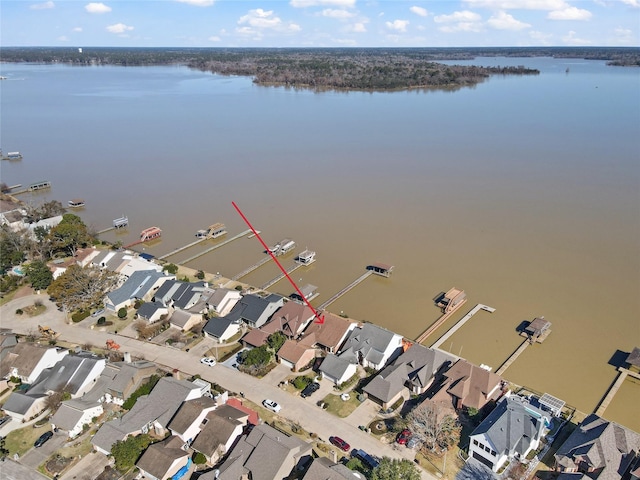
(322, 3)
(570, 13)
(518, 4)
(421, 12)
(632, 3)
(571, 39)
(398, 25)
(214, 38)
(504, 21)
(77, 29)
(198, 3)
(463, 16)
(119, 28)
(358, 27)
(258, 18)
(42, 6)
(337, 13)
(97, 8)
(63, 38)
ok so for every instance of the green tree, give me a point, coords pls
(256, 356)
(81, 288)
(199, 458)
(70, 234)
(170, 268)
(395, 470)
(122, 312)
(276, 340)
(39, 275)
(144, 389)
(12, 247)
(126, 453)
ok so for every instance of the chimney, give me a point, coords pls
(177, 374)
(127, 357)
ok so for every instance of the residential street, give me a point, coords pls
(303, 411)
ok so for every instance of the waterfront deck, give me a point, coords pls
(183, 248)
(251, 268)
(211, 249)
(513, 357)
(346, 289)
(34, 187)
(613, 389)
(461, 322)
(441, 320)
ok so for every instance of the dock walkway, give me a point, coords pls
(211, 249)
(352, 285)
(512, 358)
(275, 280)
(180, 249)
(443, 318)
(250, 269)
(461, 322)
(615, 386)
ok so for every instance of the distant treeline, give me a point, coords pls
(344, 68)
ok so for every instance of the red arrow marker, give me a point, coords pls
(319, 318)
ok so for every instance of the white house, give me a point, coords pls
(27, 360)
(512, 430)
(73, 415)
(188, 421)
(372, 346)
(221, 300)
(164, 460)
(337, 369)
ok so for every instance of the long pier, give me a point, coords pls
(251, 268)
(351, 286)
(615, 386)
(461, 322)
(275, 280)
(512, 358)
(180, 249)
(443, 318)
(211, 249)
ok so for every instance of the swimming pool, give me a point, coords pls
(17, 270)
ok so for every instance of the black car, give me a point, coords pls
(309, 389)
(43, 439)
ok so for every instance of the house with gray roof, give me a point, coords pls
(187, 421)
(185, 320)
(141, 285)
(220, 300)
(164, 460)
(220, 429)
(151, 412)
(178, 294)
(255, 310)
(73, 415)
(152, 311)
(598, 449)
(372, 346)
(28, 360)
(123, 262)
(119, 380)
(338, 369)
(512, 430)
(221, 329)
(412, 372)
(323, 468)
(264, 454)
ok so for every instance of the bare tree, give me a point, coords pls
(80, 288)
(435, 424)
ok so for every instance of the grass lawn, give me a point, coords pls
(435, 465)
(21, 440)
(221, 352)
(34, 310)
(339, 407)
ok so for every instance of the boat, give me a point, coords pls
(11, 156)
(76, 203)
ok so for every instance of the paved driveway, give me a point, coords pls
(313, 418)
(11, 470)
(37, 456)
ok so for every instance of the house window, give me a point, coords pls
(475, 442)
(486, 449)
(204, 421)
(493, 453)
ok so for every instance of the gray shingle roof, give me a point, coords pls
(158, 457)
(388, 383)
(251, 308)
(217, 326)
(148, 309)
(215, 433)
(189, 412)
(67, 375)
(20, 403)
(70, 412)
(335, 366)
(136, 286)
(370, 341)
(323, 468)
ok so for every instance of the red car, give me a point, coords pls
(404, 436)
(340, 443)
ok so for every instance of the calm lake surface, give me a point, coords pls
(523, 191)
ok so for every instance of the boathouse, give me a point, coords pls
(150, 234)
(306, 258)
(309, 291)
(39, 185)
(451, 299)
(381, 269)
(538, 329)
(120, 222)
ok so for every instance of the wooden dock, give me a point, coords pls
(461, 322)
(180, 249)
(349, 287)
(105, 230)
(613, 389)
(275, 280)
(512, 358)
(211, 249)
(251, 268)
(438, 323)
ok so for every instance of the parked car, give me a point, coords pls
(404, 436)
(414, 441)
(97, 313)
(271, 405)
(309, 389)
(341, 444)
(4, 420)
(42, 439)
(208, 361)
(365, 458)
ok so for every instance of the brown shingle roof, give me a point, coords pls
(256, 337)
(189, 412)
(215, 433)
(292, 351)
(471, 383)
(27, 357)
(159, 457)
(289, 319)
(330, 333)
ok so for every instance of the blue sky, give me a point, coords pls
(320, 23)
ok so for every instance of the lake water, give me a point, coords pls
(523, 191)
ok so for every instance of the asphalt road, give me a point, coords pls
(307, 414)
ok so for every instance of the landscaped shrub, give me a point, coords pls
(79, 315)
(102, 320)
(199, 459)
(200, 275)
(301, 382)
(138, 303)
(144, 389)
(19, 311)
(122, 313)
